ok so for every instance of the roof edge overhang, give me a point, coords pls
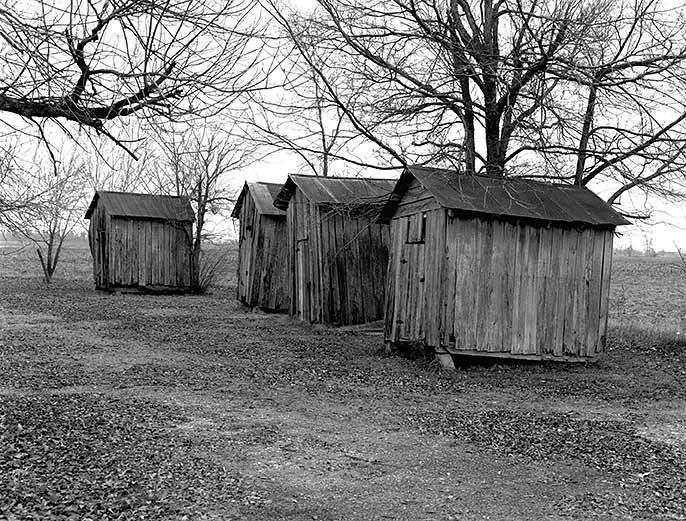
(236, 212)
(283, 198)
(96, 197)
(390, 207)
(148, 218)
(91, 207)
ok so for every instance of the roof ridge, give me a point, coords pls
(266, 183)
(140, 194)
(502, 178)
(339, 177)
(512, 197)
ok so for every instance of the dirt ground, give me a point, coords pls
(193, 407)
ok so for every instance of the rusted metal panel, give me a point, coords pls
(263, 195)
(507, 197)
(348, 191)
(142, 206)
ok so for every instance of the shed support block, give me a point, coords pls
(445, 359)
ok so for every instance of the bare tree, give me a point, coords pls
(111, 168)
(301, 118)
(197, 163)
(55, 209)
(93, 61)
(577, 91)
(15, 194)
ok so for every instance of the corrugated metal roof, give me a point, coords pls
(353, 191)
(144, 206)
(507, 197)
(263, 194)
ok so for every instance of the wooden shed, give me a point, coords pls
(262, 253)
(140, 242)
(498, 267)
(337, 251)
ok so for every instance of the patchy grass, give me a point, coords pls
(169, 407)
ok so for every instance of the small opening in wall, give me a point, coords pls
(416, 229)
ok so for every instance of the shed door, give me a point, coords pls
(411, 278)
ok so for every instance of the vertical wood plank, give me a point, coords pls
(594, 290)
(551, 314)
(398, 280)
(509, 253)
(483, 291)
(292, 278)
(605, 290)
(448, 312)
(573, 263)
(391, 280)
(519, 290)
(497, 314)
(430, 274)
(403, 279)
(532, 291)
(437, 293)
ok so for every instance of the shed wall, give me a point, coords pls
(488, 286)
(149, 253)
(262, 259)
(139, 253)
(337, 264)
(97, 239)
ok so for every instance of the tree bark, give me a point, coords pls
(585, 135)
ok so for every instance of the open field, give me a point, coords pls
(163, 407)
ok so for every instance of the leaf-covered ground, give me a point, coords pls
(163, 407)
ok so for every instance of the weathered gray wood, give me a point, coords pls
(398, 281)
(533, 293)
(263, 263)
(448, 305)
(605, 291)
(136, 253)
(594, 289)
(496, 277)
(421, 205)
(338, 263)
(509, 252)
(505, 288)
(519, 295)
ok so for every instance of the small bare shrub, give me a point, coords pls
(682, 257)
(214, 267)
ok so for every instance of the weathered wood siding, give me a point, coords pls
(262, 259)
(483, 285)
(337, 264)
(147, 253)
(99, 245)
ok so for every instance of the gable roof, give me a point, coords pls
(507, 197)
(263, 195)
(355, 191)
(143, 206)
